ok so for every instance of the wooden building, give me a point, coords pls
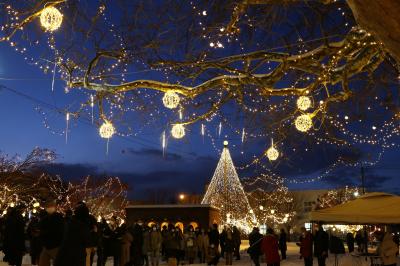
(182, 215)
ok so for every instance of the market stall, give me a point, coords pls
(370, 209)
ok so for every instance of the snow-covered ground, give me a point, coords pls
(292, 260)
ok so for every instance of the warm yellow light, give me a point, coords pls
(178, 131)
(51, 18)
(303, 122)
(182, 196)
(12, 204)
(106, 130)
(303, 103)
(36, 204)
(272, 154)
(171, 100)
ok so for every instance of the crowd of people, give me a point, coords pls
(74, 238)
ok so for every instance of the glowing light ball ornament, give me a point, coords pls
(272, 153)
(303, 122)
(106, 130)
(51, 18)
(178, 131)
(303, 103)
(171, 100)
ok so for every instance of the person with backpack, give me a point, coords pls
(254, 249)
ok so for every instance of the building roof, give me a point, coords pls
(165, 206)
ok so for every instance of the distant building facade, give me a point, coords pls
(181, 215)
(305, 201)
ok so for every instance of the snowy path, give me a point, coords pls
(293, 260)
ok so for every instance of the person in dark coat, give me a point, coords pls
(254, 250)
(306, 242)
(101, 226)
(214, 240)
(222, 240)
(213, 236)
(236, 241)
(350, 242)
(321, 245)
(359, 241)
(51, 233)
(137, 244)
(282, 243)
(35, 244)
(14, 237)
(76, 237)
(93, 241)
(229, 246)
(172, 244)
(111, 242)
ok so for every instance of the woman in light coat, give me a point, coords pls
(190, 245)
(126, 242)
(202, 245)
(388, 250)
(155, 246)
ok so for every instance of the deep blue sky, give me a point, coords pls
(138, 160)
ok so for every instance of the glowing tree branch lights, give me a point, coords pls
(272, 153)
(178, 131)
(226, 193)
(303, 103)
(51, 18)
(303, 123)
(171, 100)
(270, 199)
(106, 130)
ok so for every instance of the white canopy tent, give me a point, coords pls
(371, 208)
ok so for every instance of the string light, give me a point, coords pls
(178, 131)
(272, 153)
(303, 103)
(171, 99)
(106, 130)
(51, 18)
(303, 122)
(226, 193)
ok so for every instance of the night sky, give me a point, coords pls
(138, 160)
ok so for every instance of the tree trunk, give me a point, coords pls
(380, 18)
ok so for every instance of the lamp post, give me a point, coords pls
(182, 198)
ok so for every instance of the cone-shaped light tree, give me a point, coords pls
(226, 193)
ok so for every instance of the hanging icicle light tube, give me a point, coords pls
(106, 130)
(51, 18)
(178, 131)
(171, 100)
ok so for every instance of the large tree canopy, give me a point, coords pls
(299, 72)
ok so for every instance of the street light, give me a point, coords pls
(261, 207)
(356, 194)
(182, 196)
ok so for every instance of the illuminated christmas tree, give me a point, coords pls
(226, 193)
